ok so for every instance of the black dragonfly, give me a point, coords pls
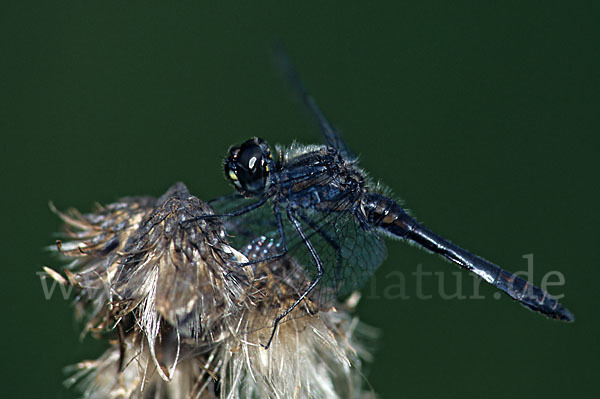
(315, 205)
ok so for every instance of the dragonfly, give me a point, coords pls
(315, 205)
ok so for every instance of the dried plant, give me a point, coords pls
(184, 320)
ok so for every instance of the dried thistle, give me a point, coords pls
(185, 322)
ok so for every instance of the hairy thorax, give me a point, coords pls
(320, 179)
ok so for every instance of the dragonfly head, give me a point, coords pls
(247, 167)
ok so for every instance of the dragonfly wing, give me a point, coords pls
(332, 136)
(350, 253)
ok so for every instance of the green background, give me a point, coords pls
(482, 117)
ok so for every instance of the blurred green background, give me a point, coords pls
(482, 117)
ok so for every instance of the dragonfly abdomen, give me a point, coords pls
(385, 214)
(531, 296)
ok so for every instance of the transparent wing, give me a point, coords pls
(332, 136)
(350, 254)
(244, 228)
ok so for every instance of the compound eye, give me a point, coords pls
(247, 166)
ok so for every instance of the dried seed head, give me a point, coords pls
(189, 318)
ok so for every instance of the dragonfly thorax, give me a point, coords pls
(319, 178)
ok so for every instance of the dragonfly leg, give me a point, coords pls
(282, 241)
(238, 212)
(331, 241)
(313, 283)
